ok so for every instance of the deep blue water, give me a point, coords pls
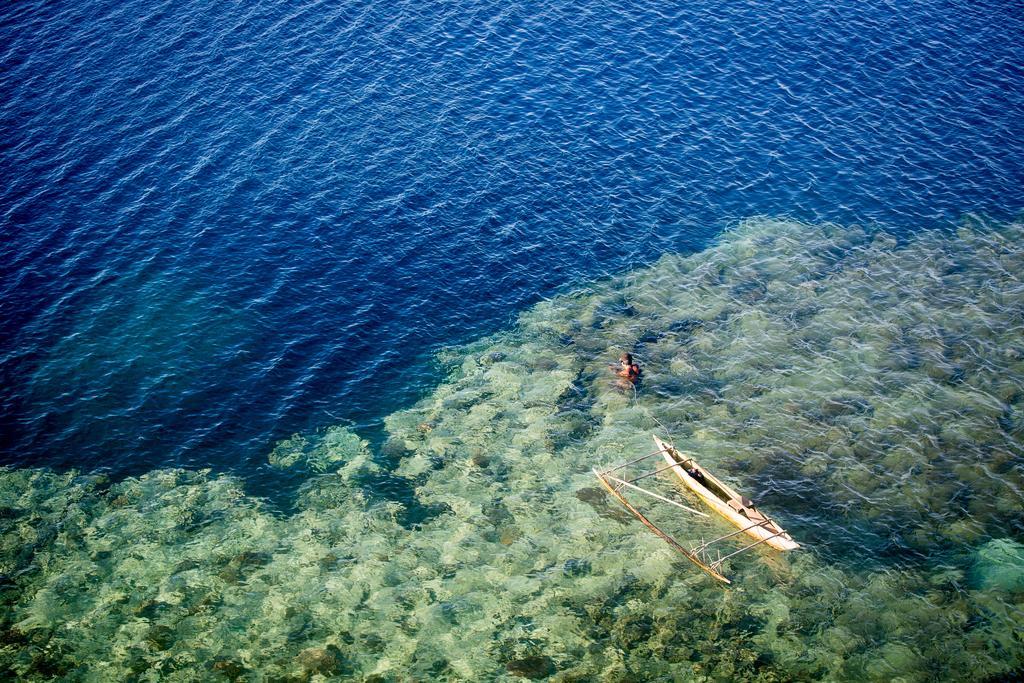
(225, 222)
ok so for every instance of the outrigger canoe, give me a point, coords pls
(718, 495)
(724, 500)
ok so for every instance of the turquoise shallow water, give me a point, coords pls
(866, 391)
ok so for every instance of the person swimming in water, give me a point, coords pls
(627, 368)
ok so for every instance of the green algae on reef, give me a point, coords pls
(887, 379)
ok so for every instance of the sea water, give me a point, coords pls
(868, 393)
(307, 313)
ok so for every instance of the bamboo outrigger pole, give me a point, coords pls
(713, 572)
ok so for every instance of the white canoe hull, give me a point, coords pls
(747, 517)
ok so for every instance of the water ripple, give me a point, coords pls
(226, 223)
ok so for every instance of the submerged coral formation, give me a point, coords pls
(338, 447)
(868, 391)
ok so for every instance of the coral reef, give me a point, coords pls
(868, 391)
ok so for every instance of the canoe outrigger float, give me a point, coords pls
(719, 496)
